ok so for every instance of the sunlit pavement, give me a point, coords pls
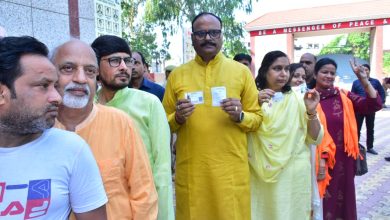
(373, 188)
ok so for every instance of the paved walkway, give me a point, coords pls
(373, 188)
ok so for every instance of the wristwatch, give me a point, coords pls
(241, 116)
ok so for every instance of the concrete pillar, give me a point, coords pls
(376, 52)
(253, 55)
(290, 47)
(74, 21)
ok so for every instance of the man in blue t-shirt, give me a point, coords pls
(138, 79)
(370, 118)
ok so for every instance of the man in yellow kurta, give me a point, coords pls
(112, 135)
(211, 102)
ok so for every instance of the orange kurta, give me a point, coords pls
(123, 163)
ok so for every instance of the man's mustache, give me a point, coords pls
(208, 43)
(75, 86)
(124, 73)
(52, 107)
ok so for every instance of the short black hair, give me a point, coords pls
(319, 64)
(11, 51)
(322, 62)
(203, 14)
(268, 60)
(142, 58)
(367, 66)
(242, 56)
(109, 44)
(312, 55)
(293, 67)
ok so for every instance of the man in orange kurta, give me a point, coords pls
(111, 134)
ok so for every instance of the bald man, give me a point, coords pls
(308, 61)
(111, 134)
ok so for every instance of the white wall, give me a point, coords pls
(265, 44)
(386, 37)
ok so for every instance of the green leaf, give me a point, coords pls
(357, 44)
(171, 14)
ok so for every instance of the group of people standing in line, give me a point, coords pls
(269, 148)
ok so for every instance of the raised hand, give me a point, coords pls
(358, 70)
(265, 95)
(311, 99)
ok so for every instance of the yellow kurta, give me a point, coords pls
(212, 172)
(280, 161)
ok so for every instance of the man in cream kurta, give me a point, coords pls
(111, 134)
(211, 102)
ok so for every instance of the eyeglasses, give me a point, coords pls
(116, 61)
(201, 35)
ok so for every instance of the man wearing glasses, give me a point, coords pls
(111, 134)
(115, 67)
(211, 102)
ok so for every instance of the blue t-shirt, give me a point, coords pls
(153, 88)
(357, 88)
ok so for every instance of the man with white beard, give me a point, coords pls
(75, 101)
(111, 134)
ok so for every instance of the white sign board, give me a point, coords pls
(108, 17)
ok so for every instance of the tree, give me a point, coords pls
(171, 14)
(357, 44)
(140, 34)
(386, 63)
(142, 40)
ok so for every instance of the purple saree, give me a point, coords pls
(339, 200)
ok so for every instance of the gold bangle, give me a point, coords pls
(315, 113)
(311, 117)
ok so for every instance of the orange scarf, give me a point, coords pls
(328, 146)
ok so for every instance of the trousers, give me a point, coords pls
(370, 123)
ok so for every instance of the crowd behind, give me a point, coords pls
(86, 135)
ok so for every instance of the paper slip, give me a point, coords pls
(218, 94)
(300, 90)
(278, 97)
(296, 89)
(195, 97)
